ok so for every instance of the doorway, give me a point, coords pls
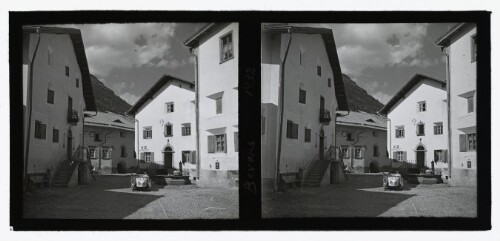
(167, 157)
(420, 153)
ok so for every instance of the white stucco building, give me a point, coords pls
(300, 65)
(56, 91)
(164, 121)
(362, 142)
(109, 139)
(417, 123)
(459, 46)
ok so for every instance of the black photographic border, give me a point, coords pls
(249, 119)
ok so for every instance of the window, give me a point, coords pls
(400, 132)
(420, 129)
(300, 57)
(307, 135)
(318, 70)
(302, 96)
(147, 133)
(473, 48)
(50, 96)
(40, 129)
(375, 133)
(400, 155)
(66, 70)
(169, 107)
(236, 142)
(469, 164)
(470, 104)
(187, 156)
(344, 151)
(97, 137)
(358, 152)
(106, 153)
(55, 135)
(77, 83)
(422, 106)
(218, 105)
(472, 142)
(329, 82)
(438, 128)
(123, 151)
(217, 143)
(440, 155)
(349, 136)
(167, 131)
(148, 156)
(122, 134)
(292, 130)
(262, 125)
(92, 152)
(226, 45)
(186, 129)
(468, 142)
(375, 151)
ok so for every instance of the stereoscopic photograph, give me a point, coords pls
(130, 121)
(369, 120)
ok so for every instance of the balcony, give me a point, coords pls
(324, 116)
(73, 117)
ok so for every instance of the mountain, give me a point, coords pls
(106, 99)
(358, 99)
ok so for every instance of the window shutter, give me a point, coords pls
(211, 144)
(152, 156)
(404, 156)
(394, 155)
(463, 143)
(445, 156)
(296, 131)
(142, 156)
(236, 147)
(184, 157)
(144, 134)
(225, 143)
(193, 157)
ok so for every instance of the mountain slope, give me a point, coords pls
(106, 99)
(358, 99)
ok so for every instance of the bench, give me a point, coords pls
(40, 179)
(290, 178)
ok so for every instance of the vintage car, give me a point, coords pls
(393, 180)
(140, 181)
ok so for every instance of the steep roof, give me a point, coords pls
(363, 119)
(331, 51)
(109, 119)
(194, 40)
(445, 40)
(165, 79)
(406, 88)
(76, 37)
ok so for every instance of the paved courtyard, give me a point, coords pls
(110, 197)
(368, 199)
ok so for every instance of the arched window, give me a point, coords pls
(168, 131)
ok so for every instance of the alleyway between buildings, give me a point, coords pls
(368, 199)
(110, 197)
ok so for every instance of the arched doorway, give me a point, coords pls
(420, 153)
(167, 157)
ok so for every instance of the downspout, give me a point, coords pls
(197, 110)
(138, 146)
(390, 141)
(282, 107)
(448, 103)
(30, 96)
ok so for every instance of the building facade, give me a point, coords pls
(417, 124)
(459, 46)
(215, 48)
(56, 91)
(109, 139)
(302, 89)
(164, 121)
(362, 142)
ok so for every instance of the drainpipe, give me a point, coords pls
(197, 110)
(448, 103)
(137, 135)
(30, 97)
(389, 137)
(282, 107)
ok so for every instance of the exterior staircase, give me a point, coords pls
(317, 169)
(64, 174)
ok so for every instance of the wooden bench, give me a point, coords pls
(40, 179)
(290, 178)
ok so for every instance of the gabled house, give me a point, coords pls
(109, 139)
(215, 49)
(164, 121)
(56, 92)
(362, 142)
(302, 90)
(459, 45)
(417, 124)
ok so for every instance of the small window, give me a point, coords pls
(318, 70)
(470, 104)
(218, 105)
(300, 57)
(106, 153)
(358, 152)
(400, 156)
(400, 131)
(221, 143)
(66, 70)
(123, 151)
(329, 82)
(147, 133)
(438, 128)
(439, 156)
(344, 151)
(307, 135)
(292, 130)
(472, 141)
(473, 48)
(420, 129)
(302, 96)
(375, 133)
(186, 157)
(50, 96)
(375, 151)
(349, 137)
(422, 107)
(97, 137)
(469, 164)
(122, 134)
(92, 152)
(169, 107)
(77, 83)
(40, 130)
(148, 157)
(186, 129)
(226, 45)
(168, 131)
(55, 135)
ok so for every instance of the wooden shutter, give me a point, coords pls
(211, 144)
(152, 154)
(395, 155)
(236, 145)
(463, 142)
(183, 157)
(193, 157)
(144, 134)
(225, 143)
(142, 156)
(436, 157)
(295, 131)
(404, 156)
(445, 156)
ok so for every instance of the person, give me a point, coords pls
(345, 169)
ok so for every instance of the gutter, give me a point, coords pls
(448, 103)
(197, 110)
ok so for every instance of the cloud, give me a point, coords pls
(129, 98)
(110, 46)
(382, 97)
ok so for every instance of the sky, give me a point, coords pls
(130, 58)
(380, 58)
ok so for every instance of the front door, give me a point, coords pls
(167, 157)
(420, 156)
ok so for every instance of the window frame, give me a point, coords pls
(92, 152)
(186, 129)
(399, 132)
(169, 107)
(292, 130)
(218, 106)
(40, 130)
(344, 152)
(330, 82)
(356, 149)
(167, 130)
(77, 82)
(307, 135)
(123, 151)
(438, 126)
(418, 129)
(376, 151)
(318, 70)
(302, 96)
(222, 58)
(220, 143)
(55, 135)
(66, 70)
(51, 93)
(422, 106)
(471, 142)
(145, 131)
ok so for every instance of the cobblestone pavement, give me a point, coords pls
(362, 200)
(110, 197)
